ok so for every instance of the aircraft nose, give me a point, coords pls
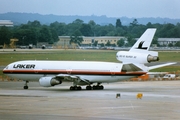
(6, 68)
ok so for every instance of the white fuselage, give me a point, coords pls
(91, 71)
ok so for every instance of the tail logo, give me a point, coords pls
(140, 46)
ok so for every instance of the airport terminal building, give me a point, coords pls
(64, 41)
(167, 41)
(6, 23)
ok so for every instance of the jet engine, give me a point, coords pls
(48, 81)
(135, 57)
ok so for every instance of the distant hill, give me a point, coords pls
(20, 18)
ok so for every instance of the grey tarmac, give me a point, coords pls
(161, 100)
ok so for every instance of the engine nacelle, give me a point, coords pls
(134, 57)
(48, 81)
(151, 58)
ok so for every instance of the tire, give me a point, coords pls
(25, 87)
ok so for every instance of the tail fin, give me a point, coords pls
(139, 54)
(144, 42)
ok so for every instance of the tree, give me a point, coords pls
(134, 23)
(108, 43)
(30, 36)
(5, 35)
(54, 36)
(92, 23)
(76, 37)
(95, 43)
(26, 36)
(44, 34)
(177, 44)
(60, 28)
(34, 23)
(120, 32)
(130, 40)
(120, 42)
(86, 30)
(118, 23)
(103, 32)
(93, 27)
(167, 30)
(78, 21)
(102, 45)
(75, 25)
(155, 41)
(170, 45)
(34, 31)
(149, 25)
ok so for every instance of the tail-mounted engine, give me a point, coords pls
(151, 58)
(134, 57)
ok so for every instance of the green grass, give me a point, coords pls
(77, 55)
(169, 56)
(167, 69)
(80, 55)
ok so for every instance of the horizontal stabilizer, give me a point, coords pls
(162, 65)
(156, 73)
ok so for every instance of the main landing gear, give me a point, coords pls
(89, 87)
(95, 87)
(25, 85)
(98, 87)
(75, 88)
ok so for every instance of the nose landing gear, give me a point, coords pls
(25, 85)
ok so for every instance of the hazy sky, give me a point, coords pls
(110, 8)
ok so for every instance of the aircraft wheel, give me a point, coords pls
(72, 88)
(95, 87)
(25, 87)
(88, 87)
(75, 88)
(79, 88)
(101, 87)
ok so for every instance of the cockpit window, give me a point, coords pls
(6, 67)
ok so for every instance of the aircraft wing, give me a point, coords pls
(73, 78)
(161, 65)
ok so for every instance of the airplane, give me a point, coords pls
(51, 73)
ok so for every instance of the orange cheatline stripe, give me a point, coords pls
(71, 72)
